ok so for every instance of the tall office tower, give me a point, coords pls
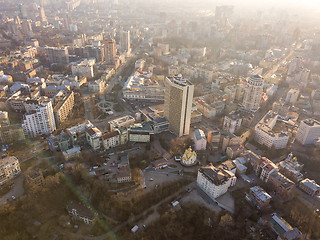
(178, 104)
(253, 93)
(23, 13)
(27, 28)
(40, 121)
(110, 50)
(42, 15)
(125, 41)
(308, 132)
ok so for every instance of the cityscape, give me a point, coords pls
(136, 119)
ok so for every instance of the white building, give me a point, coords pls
(200, 140)
(253, 93)
(93, 136)
(84, 68)
(266, 136)
(40, 121)
(125, 41)
(9, 168)
(308, 131)
(215, 181)
(141, 86)
(292, 96)
(232, 123)
(178, 104)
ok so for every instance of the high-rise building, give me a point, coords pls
(41, 121)
(125, 41)
(42, 15)
(27, 28)
(308, 131)
(253, 93)
(110, 50)
(57, 55)
(178, 104)
(23, 12)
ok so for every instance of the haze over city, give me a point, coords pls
(180, 119)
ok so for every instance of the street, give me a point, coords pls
(17, 190)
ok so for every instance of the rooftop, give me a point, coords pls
(260, 193)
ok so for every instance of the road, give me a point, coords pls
(16, 191)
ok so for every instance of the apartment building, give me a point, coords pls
(93, 136)
(310, 187)
(63, 106)
(200, 140)
(84, 68)
(111, 139)
(215, 181)
(9, 168)
(259, 197)
(40, 121)
(265, 135)
(253, 93)
(308, 131)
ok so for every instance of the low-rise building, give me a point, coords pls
(80, 212)
(291, 168)
(78, 133)
(11, 133)
(93, 136)
(9, 168)
(310, 187)
(111, 139)
(140, 132)
(35, 178)
(160, 164)
(259, 197)
(140, 86)
(215, 181)
(121, 122)
(97, 86)
(200, 140)
(123, 174)
(71, 153)
(263, 168)
(234, 151)
(230, 166)
(281, 184)
(282, 229)
(61, 142)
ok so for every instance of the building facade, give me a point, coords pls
(9, 168)
(41, 121)
(308, 131)
(178, 104)
(253, 93)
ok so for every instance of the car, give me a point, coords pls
(111, 154)
(13, 197)
(151, 179)
(104, 164)
(107, 159)
(144, 226)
